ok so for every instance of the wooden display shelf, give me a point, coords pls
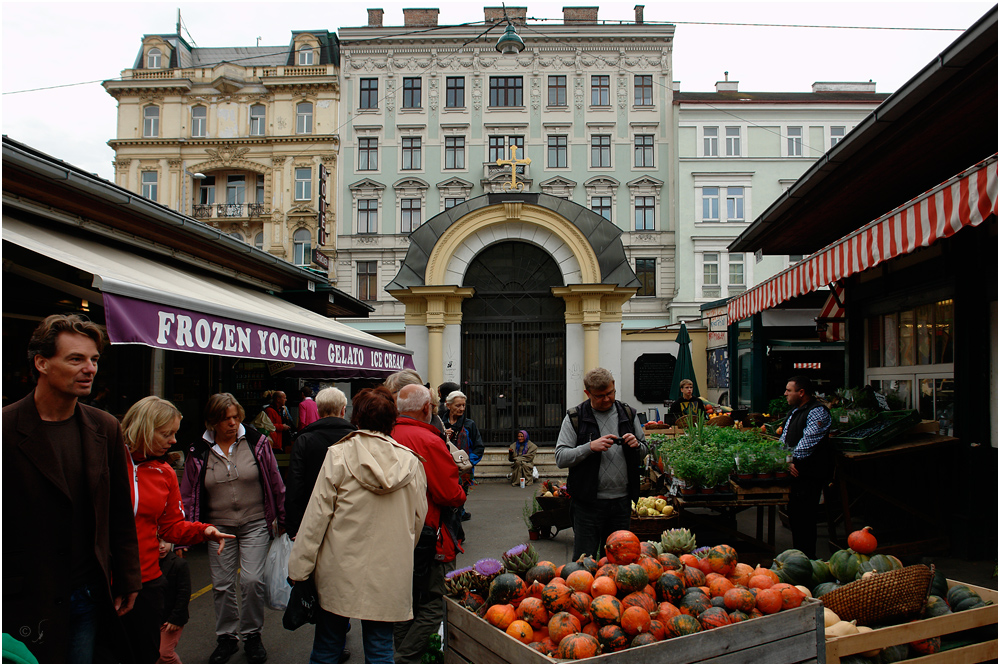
(984, 651)
(789, 637)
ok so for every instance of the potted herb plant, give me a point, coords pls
(530, 508)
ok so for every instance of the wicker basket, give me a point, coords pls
(885, 598)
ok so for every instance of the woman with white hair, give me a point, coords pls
(463, 433)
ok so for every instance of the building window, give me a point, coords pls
(237, 235)
(837, 135)
(149, 185)
(734, 204)
(303, 184)
(411, 153)
(795, 258)
(260, 189)
(258, 240)
(498, 149)
(199, 121)
(645, 270)
(711, 141)
(409, 215)
(305, 56)
(644, 150)
(710, 271)
(367, 279)
(454, 92)
(600, 90)
(644, 90)
(732, 141)
(558, 152)
(710, 204)
(454, 152)
(794, 135)
(301, 247)
(601, 206)
(557, 90)
(451, 202)
(411, 92)
(258, 115)
(153, 59)
(304, 118)
(369, 93)
(367, 154)
(206, 191)
(151, 121)
(367, 216)
(506, 91)
(644, 213)
(236, 189)
(600, 150)
(736, 278)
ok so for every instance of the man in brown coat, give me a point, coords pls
(70, 557)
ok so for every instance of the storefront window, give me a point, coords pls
(891, 339)
(898, 392)
(937, 402)
(925, 334)
(907, 334)
(944, 335)
(875, 342)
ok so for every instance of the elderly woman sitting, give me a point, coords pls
(522, 457)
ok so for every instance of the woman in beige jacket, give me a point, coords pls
(359, 531)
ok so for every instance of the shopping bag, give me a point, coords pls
(277, 589)
(534, 473)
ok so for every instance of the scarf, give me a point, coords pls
(521, 447)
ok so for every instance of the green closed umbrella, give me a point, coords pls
(685, 365)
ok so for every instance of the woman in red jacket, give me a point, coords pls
(149, 429)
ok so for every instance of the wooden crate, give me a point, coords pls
(837, 648)
(788, 637)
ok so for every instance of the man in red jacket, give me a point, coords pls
(438, 546)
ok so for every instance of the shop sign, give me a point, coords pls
(131, 320)
(321, 259)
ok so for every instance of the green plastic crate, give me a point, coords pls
(877, 432)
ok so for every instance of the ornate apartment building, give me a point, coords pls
(235, 137)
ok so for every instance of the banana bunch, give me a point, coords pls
(652, 506)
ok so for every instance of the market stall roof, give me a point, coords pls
(964, 200)
(939, 122)
(152, 303)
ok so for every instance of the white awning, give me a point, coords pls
(150, 302)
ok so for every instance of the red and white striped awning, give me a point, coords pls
(831, 317)
(965, 200)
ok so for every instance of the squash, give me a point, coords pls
(879, 564)
(936, 607)
(862, 541)
(824, 588)
(820, 573)
(830, 618)
(622, 547)
(804, 590)
(793, 567)
(874, 652)
(969, 604)
(959, 593)
(845, 564)
(939, 585)
(894, 653)
(841, 629)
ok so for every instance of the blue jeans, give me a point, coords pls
(331, 636)
(82, 626)
(595, 520)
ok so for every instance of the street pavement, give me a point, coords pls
(497, 524)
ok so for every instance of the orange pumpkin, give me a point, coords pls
(562, 625)
(603, 585)
(622, 547)
(768, 601)
(635, 620)
(580, 580)
(500, 616)
(577, 646)
(521, 630)
(606, 610)
(532, 611)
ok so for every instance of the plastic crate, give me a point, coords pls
(877, 432)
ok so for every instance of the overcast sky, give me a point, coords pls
(54, 44)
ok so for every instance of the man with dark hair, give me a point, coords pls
(602, 444)
(806, 433)
(73, 566)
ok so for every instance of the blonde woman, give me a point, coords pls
(149, 430)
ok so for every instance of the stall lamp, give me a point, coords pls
(510, 43)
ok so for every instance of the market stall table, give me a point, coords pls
(729, 504)
(847, 475)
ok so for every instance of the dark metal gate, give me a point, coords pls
(514, 344)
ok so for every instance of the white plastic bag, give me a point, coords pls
(534, 473)
(276, 585)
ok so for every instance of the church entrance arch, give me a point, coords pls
(514, 343)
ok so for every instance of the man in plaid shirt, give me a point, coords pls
(806, 432)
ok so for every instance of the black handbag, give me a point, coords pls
(303, 605)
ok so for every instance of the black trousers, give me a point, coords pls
(803, 502)
(142, 624)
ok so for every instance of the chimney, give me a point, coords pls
(420, 17)
(638, 14)
(375, 18)
(727, 85)
(844, 86)
(579, 15)
(517, 15)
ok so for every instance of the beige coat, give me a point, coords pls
(360, 528)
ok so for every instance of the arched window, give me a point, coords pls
(305, 55)
(302, 247)
(154, 59)
(258, 240)
(151, 121)
(304, 118)
(199, 121)
(258, 115)
(238, 236)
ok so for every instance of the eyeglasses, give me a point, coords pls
(603, 396)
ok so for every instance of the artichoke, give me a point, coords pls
(456, 583)
(678, 541)
(482, 574)
(520, 558)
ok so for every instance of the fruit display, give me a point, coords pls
(552, 489)
(652, 507)
(639, 594)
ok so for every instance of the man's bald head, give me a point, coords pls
(414, 401)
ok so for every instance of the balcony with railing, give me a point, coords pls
(230, 210)
(492, 169)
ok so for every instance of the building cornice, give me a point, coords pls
(115, 144)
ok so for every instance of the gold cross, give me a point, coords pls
(513, 162)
